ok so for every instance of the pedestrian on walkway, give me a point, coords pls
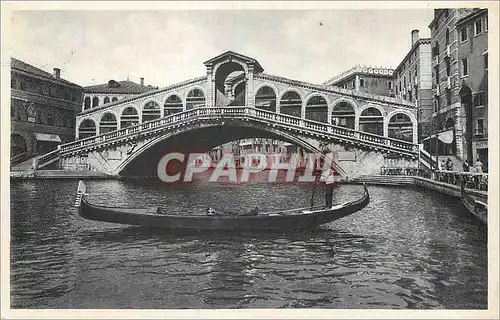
(465, 166)
(449, 165)
(479, 166)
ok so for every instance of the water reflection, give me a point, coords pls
(407, 249)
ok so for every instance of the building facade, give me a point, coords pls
(413, 81)
(378, 81)
(43, 109)
(447, 125)
(98, 95)
(473, 72)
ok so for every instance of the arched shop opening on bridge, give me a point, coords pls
(400, 127)
(195, 98)
(265, 99)
(317, 109)
(108, 123)
(151, 111)
(291, 104)
(371, 120)
(343, 115)
(129, 117)
(87, 129)
(172, 105)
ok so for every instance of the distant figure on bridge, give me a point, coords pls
(442, 165)
(479, 166)
(465, 166)
(449, 165)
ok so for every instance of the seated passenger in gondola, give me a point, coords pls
(211, 211)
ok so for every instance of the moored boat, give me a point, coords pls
(295, 219)
(477, 208)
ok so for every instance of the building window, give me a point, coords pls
(389, 85)
(478, 27)
(448, 97)
(362, 83)
(95, 102)
(463, 34)
(446, 13)
(50, 119)
(448, 67)
(447, 36)
(353, 84)
(479, 126)
(436, 71)
(86, 103)
(486, 61)
(465, 67)
(480, 99)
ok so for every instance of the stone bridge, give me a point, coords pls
(237, 100)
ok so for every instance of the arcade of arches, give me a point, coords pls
(343, 113)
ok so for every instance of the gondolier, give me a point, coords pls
(328, 177)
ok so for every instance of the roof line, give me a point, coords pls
(145, 94)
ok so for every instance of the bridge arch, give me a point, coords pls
(282, 134)
(172, 103)
(371, 119)
(266, 95)
(316, 107)
(150, 110)
(195, 95)
(410, 117)
(87, 128)
(108, 122)
(344, 112)
(293, 104)
(129, 116)
(221, 71)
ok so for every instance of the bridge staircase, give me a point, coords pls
(428, 160)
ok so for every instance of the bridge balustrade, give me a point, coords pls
(204, 112)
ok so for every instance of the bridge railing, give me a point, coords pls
(203, 112)
(337, 130)
(472, 180)
(46, 159)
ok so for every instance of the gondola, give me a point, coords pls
(296, 219)
(477, 208)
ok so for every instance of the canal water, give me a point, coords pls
(408, 249)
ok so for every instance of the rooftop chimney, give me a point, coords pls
(414, 37)
(142, 81)
(57, 73)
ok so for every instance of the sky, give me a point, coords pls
(166, 47)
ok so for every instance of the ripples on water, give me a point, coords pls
(407, 249)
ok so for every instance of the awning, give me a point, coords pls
(263, 104)
(445, 136)
(47, 137)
